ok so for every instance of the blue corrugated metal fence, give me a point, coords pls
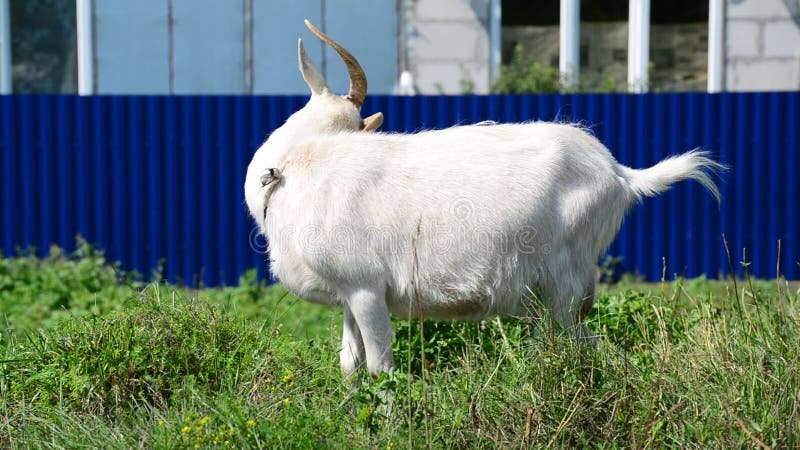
(159, 179)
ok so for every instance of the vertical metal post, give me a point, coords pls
(638, 45)
(171, 45)
(402, 57)
(247, 18)
(85, 22)
(6, 86)
(569, 42)
(716, 45)
(495, 24)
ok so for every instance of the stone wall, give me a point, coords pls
(762, 45)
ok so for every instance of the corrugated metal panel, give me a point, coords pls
(158, 180)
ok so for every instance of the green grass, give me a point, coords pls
(90, 358)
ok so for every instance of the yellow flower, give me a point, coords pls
(186, 429)
(286, 401)
(161, 423)
(251, 423)
(204, 420)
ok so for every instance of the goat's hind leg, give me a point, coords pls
(570, 304)
(584, 335)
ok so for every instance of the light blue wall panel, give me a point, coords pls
(208, 44)
(369, 31)
(276, 28)
(132, 47)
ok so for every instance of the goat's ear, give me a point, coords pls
(372, 122)
(314, 79)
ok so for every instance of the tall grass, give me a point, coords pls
(688, 363)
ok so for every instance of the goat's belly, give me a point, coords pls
(461, 310)
(474, 308)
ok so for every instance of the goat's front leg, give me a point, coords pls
(351, 356)
(371, 314)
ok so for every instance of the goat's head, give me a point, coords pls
(325, 112)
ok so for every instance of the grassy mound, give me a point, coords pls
(109, 363)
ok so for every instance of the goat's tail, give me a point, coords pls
(693, 165)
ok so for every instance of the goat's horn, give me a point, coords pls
(358, 81)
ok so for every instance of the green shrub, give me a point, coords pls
(36, 293)
(144, 355)
(522, 77)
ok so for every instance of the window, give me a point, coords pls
(43, 47)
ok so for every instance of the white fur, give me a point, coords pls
(461, 223)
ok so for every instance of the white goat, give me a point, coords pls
(461, 223)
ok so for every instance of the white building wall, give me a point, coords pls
(448, 45)
(763, 45)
